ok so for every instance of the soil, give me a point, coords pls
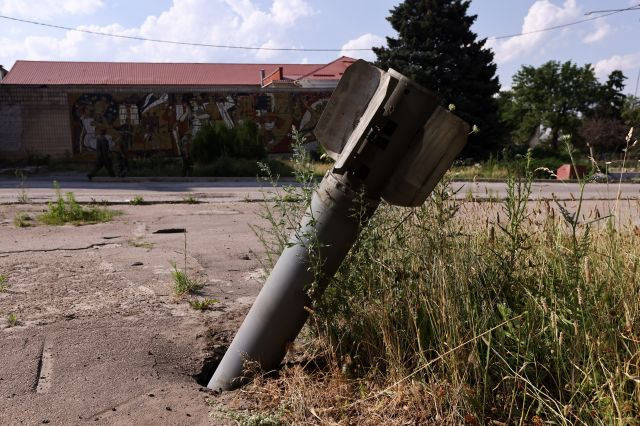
(100, 336)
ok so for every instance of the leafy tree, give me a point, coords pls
(631, 111)
(553, 95)
(436, 48)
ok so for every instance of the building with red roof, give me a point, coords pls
(56, 108)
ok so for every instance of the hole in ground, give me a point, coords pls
(209, 365)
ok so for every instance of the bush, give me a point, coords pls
(216, 140)
(238, 167)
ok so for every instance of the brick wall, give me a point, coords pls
(34, 120)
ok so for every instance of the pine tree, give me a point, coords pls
(436, 48)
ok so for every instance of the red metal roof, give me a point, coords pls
(129, 73)
(331, 71)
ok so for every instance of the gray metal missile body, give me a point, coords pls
(391, 141)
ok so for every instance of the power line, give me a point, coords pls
(613, 10)
(181, 43)
(605, 14)
(568, 24)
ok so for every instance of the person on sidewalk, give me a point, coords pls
(103, 157)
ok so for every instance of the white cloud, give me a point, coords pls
(542, 14)
(44, 9)
(628, 64)
(218, 22)
(365, 41)
(602, 30)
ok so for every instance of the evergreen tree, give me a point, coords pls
(436, 48)
(611, 98)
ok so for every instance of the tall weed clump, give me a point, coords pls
(516, 312)
(67, 210)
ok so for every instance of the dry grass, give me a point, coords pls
(479, 313)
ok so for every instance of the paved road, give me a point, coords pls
(40, 189)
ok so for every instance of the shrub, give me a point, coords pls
(216, 140)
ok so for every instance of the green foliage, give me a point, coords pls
(190, 199)
(137, 200)
(527, 313)
(232, 167)
(216, 140)
(12, 320)
(553, 95)
(67, 210)
(155, 166)
(22, 220)
(611, 98)
(4, 286)
(23, 197)
(183, 284)
(203, 304)
(566, 99)
(631, 111)
(437, 48)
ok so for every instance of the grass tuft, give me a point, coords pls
(184, 284)
(203, 304)
(67, 210)
(137, 200)
(23, 220)
(12, 320)
(190, 199)
(4, 286)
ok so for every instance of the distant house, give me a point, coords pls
(56, 108)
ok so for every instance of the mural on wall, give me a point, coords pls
(155, 123)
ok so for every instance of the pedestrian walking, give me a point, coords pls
(103, 158)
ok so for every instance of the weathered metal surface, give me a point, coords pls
(390, 139)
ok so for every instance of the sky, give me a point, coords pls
(608, 43)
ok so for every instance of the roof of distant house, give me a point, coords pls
(170, 74)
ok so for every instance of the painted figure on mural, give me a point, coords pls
(103, 156)
(156, 123)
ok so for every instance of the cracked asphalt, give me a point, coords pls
(98, 334)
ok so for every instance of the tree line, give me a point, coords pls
(436, 47)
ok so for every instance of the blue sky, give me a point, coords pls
(609, 43)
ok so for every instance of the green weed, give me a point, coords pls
(22, 220)
(137, 200)
(67, 210)
(12, 320)
(203, 304)
(23, 197)
(190, 199)
(4, 286)
(183, 284)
